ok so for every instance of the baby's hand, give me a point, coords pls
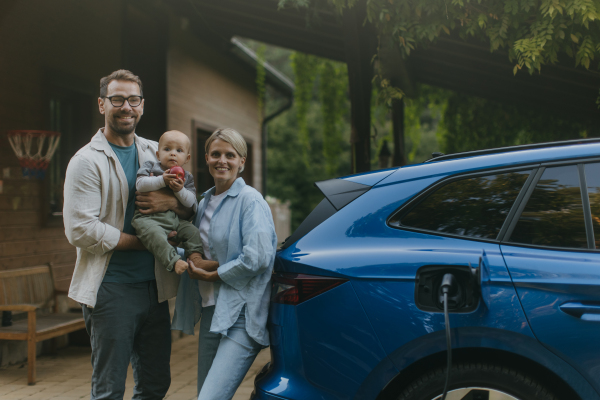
(180, 267)
(176, 185)
(169, 177)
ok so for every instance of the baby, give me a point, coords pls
(152, 229)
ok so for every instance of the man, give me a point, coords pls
(123, 291)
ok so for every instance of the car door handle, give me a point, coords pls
(586, 312)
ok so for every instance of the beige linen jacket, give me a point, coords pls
(95, 199)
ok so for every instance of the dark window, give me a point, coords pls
(71, 115)
(248, 173)
(553, 215)
(474, 207)
(592, 177)
(202, 177)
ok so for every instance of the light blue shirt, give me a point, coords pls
(242, 240)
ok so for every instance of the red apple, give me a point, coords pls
(179, 172)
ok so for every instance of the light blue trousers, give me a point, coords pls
(223, 361)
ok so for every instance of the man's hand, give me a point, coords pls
(157, 201)
(202, 275)
(170, 238)
(160, 201)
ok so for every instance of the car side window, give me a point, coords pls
(553, 215)
(475, 207)
(592, 178)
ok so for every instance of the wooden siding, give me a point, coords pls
(213, 89)
(75, 38)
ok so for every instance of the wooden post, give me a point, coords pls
(31, 346)
(360, 46)
(398, 131)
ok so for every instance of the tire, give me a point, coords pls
(492, 381)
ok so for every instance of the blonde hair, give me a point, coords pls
(232, 137)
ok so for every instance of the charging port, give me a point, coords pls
(464, 297)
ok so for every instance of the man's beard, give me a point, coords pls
(122, 130)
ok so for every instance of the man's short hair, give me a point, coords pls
(119, 75)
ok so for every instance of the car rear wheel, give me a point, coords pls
(476, 381)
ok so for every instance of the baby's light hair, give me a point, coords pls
(187, 139)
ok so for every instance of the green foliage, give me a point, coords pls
(333, 85)
(532, 32)
(472, 123)
(305, 70)
(332, 78)
(419, 116)
(293, 3)
(261, 81)
(288, 176)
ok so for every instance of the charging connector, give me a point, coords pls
(448, 288)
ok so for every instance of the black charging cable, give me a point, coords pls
(448, 285)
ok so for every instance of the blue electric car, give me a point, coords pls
(358, 306)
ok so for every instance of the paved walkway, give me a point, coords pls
(67, 375)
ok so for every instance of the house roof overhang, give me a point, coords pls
(451, 63)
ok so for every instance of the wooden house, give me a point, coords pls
(53, 55)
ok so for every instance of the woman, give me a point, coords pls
(231, 289)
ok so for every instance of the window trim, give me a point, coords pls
(506, 226)
(512, 223)
(411, 204)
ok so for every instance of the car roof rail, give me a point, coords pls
(507, 149)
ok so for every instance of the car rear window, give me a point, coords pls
(553, 215)
(475, 207)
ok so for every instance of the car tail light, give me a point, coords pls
(296, 288)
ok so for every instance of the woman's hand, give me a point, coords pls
(201, 274)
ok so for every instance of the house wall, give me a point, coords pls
(40, 37)
(72, 43)
(210, 88)
(42, 40)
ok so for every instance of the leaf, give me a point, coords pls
(515, 69)
(446, 29)
(569, 51)
(574, 38)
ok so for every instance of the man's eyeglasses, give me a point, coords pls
(118, 101)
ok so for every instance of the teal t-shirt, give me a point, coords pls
(129, 266)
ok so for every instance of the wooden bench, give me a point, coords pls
(32, 290)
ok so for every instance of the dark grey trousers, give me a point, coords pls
(129, 325)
